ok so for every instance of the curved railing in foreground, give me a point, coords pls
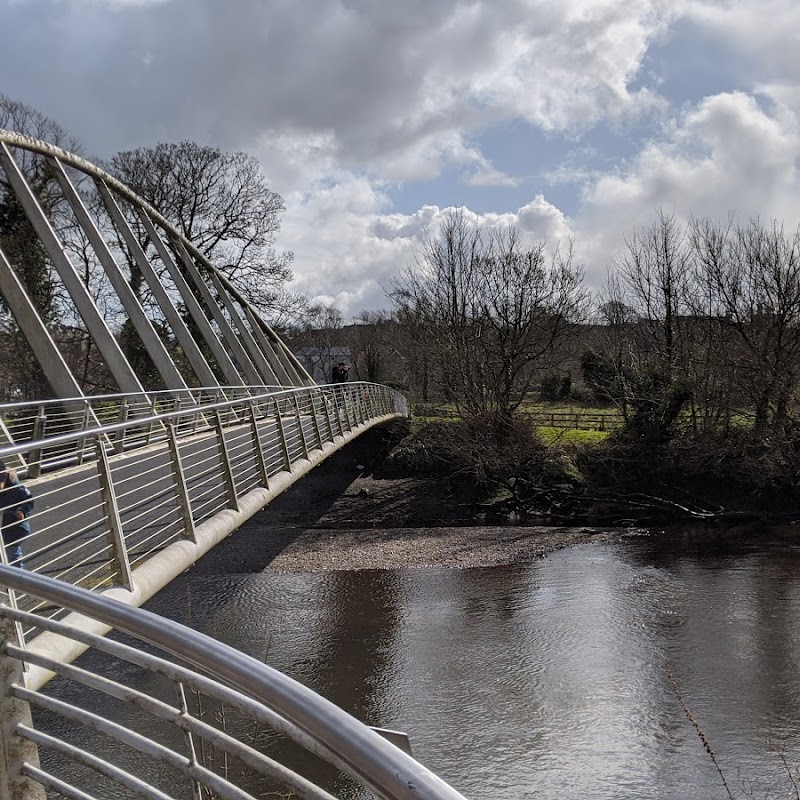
(127, 506)
(184, 737)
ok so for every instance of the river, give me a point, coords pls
(570, 677)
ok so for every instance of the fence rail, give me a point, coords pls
(564, 420)
(576, 420)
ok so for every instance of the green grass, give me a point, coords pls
(586, 416)
(529, 407)
(570, 436)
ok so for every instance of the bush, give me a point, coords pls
(487, 454)
(550, 388)
(556, 387)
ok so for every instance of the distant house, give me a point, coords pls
(319, 361)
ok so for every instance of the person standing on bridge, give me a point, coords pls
(16, 503)
(340, 373)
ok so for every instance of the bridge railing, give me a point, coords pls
(111, 497)
(48, 419)
(196, 718)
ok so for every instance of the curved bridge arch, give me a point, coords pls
(233, 402)
(221, 337)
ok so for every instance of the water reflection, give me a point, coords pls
(548, 680)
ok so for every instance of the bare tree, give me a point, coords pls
(655, 274)
(753, 271)
(653, 280)
(222, 203)
(373, 336)
(494, 313)
(319, 340)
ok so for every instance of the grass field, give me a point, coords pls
(564, 422)
(570, 436)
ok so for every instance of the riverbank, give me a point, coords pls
(345, 516)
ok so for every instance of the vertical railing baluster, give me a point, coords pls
(153, 403)
(35, 455)
(15, 751)
(188, 736)
(326, 406)
(113, 519)
(258, 448)
(84, 426)
(360, 405)
(314, 420)
(225, 459)
(181, 487)
(176, 407)
(348, 407)
(287, 459)
(119, 439)
(300, 430)
(338, 402)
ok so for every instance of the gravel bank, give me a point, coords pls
(481, 546)
(342, 517)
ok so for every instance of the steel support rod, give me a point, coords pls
(112, 515)
(84, 303)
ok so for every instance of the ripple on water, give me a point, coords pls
(548, 680)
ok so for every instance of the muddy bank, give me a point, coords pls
(343, 516)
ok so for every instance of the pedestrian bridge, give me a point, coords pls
(131, 488)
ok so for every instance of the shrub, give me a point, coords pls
(487, 453)
(550, 388)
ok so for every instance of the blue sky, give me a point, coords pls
(567, 118)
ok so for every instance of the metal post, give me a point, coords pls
(326, 406)
(287, 460)
(347, 404)
(116, 535)
(15, 751)
(84, 426)
(35, 456)
(119, 439)
(314, 419)
(225, 461)
(177, 405)
(360, 406)
(181, 489)
(337, 404)
(300, 426)
(258, 449)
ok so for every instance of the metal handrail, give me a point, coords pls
(156, 492)
(363, 754)
(97, 431)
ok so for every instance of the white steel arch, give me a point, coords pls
(193, 310)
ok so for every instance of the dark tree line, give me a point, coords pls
(701, 326)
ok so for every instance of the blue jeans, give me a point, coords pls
(14, 553)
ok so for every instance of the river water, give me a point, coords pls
(566, 678)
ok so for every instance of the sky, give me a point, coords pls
(373, 119)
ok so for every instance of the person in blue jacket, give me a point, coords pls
(16, 503)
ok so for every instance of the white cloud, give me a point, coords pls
(726, 156)
(345, 100)
(768, 31)
(373, 247)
